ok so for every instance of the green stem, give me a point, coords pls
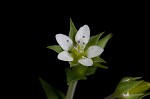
(71, 90)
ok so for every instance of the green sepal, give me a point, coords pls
(102, 42)
(74, 75)
(55, 48)
(93, 40)
(99, 65)
(98, 59)
(72, 31)
(90, 70)
(79, 72)
(97, 62)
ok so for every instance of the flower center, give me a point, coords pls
(77, 53)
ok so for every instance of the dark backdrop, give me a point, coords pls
(127, 52)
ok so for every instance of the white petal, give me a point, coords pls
(65, 56)
(83, 35)
(64, 41)
(94, 51)
(86, 61)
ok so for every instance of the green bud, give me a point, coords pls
(141, 88)
(131, 88)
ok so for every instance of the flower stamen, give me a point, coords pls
(67, 40)
(79, 41)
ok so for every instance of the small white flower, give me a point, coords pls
(76, 52)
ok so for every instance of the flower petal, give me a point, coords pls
(86, 61)
(64, 41)
(94, 51)
(83, 35)
(65, 56)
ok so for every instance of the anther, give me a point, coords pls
(67, 40)
(78, 41)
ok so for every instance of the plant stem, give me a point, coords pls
(71, 90)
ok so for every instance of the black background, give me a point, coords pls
(126, 54)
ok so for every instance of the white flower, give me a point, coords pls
(75, 52)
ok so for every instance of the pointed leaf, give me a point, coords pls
(56, 48)
(98, 59)
(96, 64)
(72, 31)
(93, 40)
(102, 42)
(50, 92)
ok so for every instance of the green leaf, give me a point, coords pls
(98, 59)
(72, 31)
(50, 92)
(96, 64)
(56, 48)
(93, 40)
(102, 42)
(125, 86)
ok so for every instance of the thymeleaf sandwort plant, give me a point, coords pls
(83, 52)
